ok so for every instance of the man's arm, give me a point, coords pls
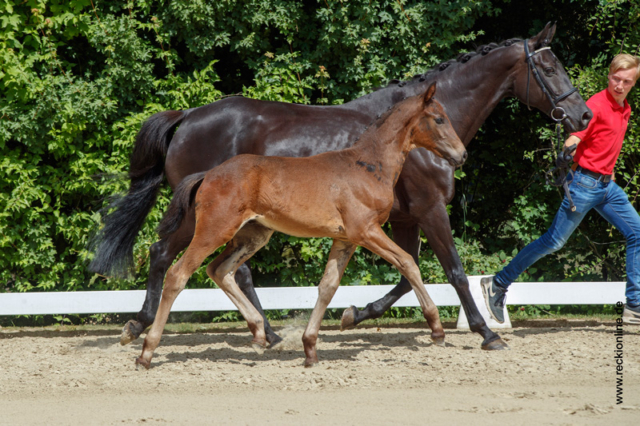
(571, 144)
(566, 156)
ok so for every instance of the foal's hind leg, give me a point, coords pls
(245, 282)
(376, 240)
(248, 240)
(177, 277)
(339, 257)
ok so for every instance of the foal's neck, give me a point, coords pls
(384, 146)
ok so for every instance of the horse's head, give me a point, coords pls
(431, 129)
(542, 82)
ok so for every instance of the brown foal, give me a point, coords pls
(344, 195)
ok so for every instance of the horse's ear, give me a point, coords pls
(428, 95)
(544, 37)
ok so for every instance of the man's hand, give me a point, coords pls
(566, 157)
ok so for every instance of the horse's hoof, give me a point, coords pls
(259, 347)
(438, 341)
(130, 332)
(274, 340)
(495, 345)
(348, 318)
(308, 363)
(141, 363)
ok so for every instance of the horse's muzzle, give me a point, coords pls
(458, 160)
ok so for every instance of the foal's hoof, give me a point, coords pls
(258, 346)
(308, 363)
(141, 363)
(348, 318)
(438, 341)
(130, 332)
(495, 345)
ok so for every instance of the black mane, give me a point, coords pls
(461, 59)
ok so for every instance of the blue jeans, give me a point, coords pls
(612, 203)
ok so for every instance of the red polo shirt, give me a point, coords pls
(602, 140)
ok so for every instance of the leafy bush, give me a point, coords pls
(78, 78)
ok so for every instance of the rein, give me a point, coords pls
(561, 179)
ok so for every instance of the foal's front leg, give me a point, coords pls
(339, 256)
(408, 238)
(376, 240)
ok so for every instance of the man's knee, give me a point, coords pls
(552, 245)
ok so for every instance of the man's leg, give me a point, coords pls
(619, 212)
(565, 222)
(553, 240)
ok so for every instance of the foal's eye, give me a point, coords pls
(439, 120)
(549, 71)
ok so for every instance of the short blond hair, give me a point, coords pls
(625, 61)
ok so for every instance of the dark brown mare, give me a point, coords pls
(469, 88)
(344, 195)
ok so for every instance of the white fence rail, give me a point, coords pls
(94, 302)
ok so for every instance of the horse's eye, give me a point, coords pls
(439, 120)
(549, 71)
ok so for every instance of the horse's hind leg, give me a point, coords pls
(376, 240)
(245, 282)
(248, 240)
(161, 256)
(339, 257)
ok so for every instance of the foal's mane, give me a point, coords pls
(382, 118)
(462, 58)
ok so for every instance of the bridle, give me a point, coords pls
(557, 114)
(546, 89)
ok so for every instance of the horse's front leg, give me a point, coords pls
(441, 241)
(407, 236)
(245, 282)
(161, 256)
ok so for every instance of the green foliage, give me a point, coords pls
(78, 78)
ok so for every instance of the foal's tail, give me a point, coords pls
(113, 244)
(182, 199)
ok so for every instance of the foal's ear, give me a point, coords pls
(428, 95)
(544, 37)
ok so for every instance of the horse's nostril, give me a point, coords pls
(588, 115)
(464, 156)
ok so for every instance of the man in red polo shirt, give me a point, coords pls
(592, 187)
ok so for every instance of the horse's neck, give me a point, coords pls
(469, 91)
(469, 97)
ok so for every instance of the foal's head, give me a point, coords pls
(431, 129)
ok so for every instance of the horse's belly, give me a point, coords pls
(304, 227)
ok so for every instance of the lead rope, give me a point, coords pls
(561, 179)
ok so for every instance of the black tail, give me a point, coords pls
(182, 198)
(113, 244)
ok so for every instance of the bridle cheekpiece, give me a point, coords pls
(557, 113)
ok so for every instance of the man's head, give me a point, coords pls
(623, 73)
